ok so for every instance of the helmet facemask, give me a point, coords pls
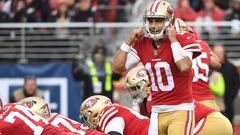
(156, 33)
(91, 109)
(136, 83)
(137, 92)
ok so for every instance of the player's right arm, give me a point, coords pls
(121, 57)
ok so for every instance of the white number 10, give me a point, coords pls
(169, 85)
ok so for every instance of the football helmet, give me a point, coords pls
(158, 9)
(91, 108)
(37, 105)
(137, 84)
(1, 104)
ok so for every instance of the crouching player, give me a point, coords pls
(19, 120)
(40, 107)
(113, 119)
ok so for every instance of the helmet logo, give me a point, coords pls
(141, 73)
(90, 103)
(28, 104)
(152, 13)
(170, 10)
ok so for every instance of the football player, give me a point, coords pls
(167, 57)
(201, 65)
(206, 119)
(113, 119)
(40, 107)
(18, 120)
(137, 84)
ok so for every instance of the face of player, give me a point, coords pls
(155, 25)
(30, 86)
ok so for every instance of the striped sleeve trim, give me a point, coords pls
(106, 116)
(192, 46)
(134, 53)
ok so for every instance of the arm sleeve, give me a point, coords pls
(132, 60)
(111, 126)
(217, 87)
(189, 44)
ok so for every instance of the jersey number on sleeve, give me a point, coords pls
(201, 69)
(169, 85)
(27, 120)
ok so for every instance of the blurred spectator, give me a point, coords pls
(19, 8)
(185, 12)
(83, 12)
(29, 89)
(233, 15)
(4, 17)
(209, 14)
(234, 12)
(211, 11)
(96, 74)
(61, 16)
(223, 4)
(231, 78)
(121, 13)
(197, 5)
(105, 9)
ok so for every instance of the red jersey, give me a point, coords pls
(145, 108)
(200, 87)
(19, 120)
(131, 122)
(169, 85)
(201, 111)
(70, 125)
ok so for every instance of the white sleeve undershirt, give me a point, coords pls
(116, 124)
(132, 60)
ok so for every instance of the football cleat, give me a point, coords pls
(91, 108)
(37, 105)
(137, 84)
(158, 9)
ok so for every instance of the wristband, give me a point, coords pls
(177, 50)
(126, 48)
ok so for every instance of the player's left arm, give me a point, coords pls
(181, 58)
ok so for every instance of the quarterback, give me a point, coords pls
(167, 57)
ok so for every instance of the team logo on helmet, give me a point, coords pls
(90, 104)
(141, 73)
(28, 104)
(170, 10)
